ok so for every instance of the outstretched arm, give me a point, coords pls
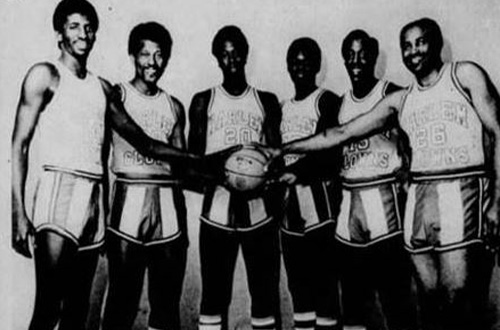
(380, 117)
(124, 125)
(486, 101)
(36, 92)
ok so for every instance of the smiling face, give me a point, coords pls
(77, 36)
(420, 55)
(359, 62)
(149, 62)
(231, 59)
(302, 67)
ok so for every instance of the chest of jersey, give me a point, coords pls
(443, 128)
(374, 156)
(71, 128)
(233, 120)
(156, 116)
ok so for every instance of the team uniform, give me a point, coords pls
(369, 225)
(449, 192)
(230, 219)
(68, 197)
(308, 228)
(148, 209)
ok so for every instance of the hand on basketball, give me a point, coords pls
(212, 166)
(288, 178)
(22, 235)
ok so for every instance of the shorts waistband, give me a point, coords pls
(417, 177)
(146, 179)
(368, 183)
(79, 173)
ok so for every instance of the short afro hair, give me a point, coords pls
(152, 31)
(369, 42)
(308, 45)
(66, 8)
(229, 33)
(426, 24)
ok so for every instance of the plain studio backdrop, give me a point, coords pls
(471, 30)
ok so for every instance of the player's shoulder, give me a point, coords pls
(266, 97)
(203, 95)
(42, 74)
(469, 72)
(329, 96)
(391, 87)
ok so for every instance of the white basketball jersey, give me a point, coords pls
(71, 128)
(445, 132)
(375, 156)
(233, 120)
(155, 115)
(299, 120)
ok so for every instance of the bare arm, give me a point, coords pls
(486, 101)
(37, 90)
(272, 120)
(124, 125)
(198, 122)
(380, 117)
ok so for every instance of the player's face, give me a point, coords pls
(149, 62)
(231, 59)
(78, 36)
(359, 64)
(418, 54)
(302, 67)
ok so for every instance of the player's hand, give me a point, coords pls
(23, 234)
(288, 178)
(212, 165)
(492, 232)
(270, 152)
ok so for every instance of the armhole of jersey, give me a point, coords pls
(55, 94)
(211, 101)
(342, 105)
(403, 100)
(259, 102)
(384, 88)
(173, 107)
(316, 102)
(123, 92)
(457, 84)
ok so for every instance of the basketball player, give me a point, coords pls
(230, 114)
(66, 105)
(148, 216)
(450, 116)
(369, 227)
(312, 205)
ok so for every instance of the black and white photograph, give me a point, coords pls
(237, 164)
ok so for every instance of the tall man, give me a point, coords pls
(369, 227)
(450, 115)
(68, 106)
(148, 216)
(230, 114)
(312, 204)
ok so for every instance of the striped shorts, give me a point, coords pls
(309, 207)
(147, 212)
(442, 215)
(69, 202)
(370, 213)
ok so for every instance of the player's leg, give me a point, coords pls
(53, 253)
(218, 252)
(78, 284)
(325, 277)
(126, 266)
(426, 267)
(260, 248)
(166, 268)
(297, 260)
(392, 271)
(358, 294)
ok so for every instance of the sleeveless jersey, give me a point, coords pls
(299, 120)
(233, 120)
(71, 128)
(443, 128)
(155, 115)
(373, 157)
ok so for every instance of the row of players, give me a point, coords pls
(450, 218)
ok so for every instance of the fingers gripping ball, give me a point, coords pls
(245, 169)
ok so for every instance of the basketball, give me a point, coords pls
(245, 169)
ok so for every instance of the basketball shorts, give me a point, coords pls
(237, 211)
(370, 213)
(443, 215)
(69, 203)
(147, 212)
(309, 207)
